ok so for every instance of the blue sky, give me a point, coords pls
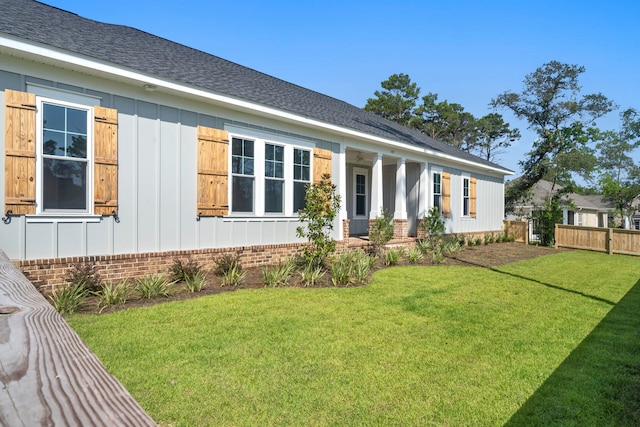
(466, 51)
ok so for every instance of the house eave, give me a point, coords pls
(64, 59)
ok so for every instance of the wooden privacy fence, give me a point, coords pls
(610, 240)
(47, 375)
(518, 229)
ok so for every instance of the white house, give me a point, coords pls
(116, 141)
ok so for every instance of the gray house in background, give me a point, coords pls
(116, 141)
(582, 210)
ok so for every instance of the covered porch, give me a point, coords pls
(371, 183)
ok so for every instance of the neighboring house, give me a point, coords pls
(116, 141)
(586, 211)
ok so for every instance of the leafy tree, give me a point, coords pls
(381, 231)
(493, 135)
(552, 105)
(620, 175)
(321, 207)
(397, 101)
(445, 121)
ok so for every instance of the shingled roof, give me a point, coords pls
(134, 49)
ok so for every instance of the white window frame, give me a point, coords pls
(254, 176)
(269, 178)
(295, 181)
(467, 178)
(40, 101)
(365, 173)
(260, 140)
(432, 193)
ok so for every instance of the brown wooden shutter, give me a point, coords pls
(20, 152)
(321, 164)
(105, 166)
(213, 172)
(472, 198)
(446, 194)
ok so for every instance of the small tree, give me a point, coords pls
(432, 225)
(321, 207)
(381, 231)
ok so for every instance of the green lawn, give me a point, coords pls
(550, 341)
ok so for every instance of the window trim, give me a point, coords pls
(293, 176)
(467, 178)
(89, 206)
(266, 178)
(233, 175)
(365, 173)
(432, 192)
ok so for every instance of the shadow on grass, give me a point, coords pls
(599, 383)
(549, 285)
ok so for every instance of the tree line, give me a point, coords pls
(568, 142)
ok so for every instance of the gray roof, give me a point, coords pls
(542, 189)
(137, 50)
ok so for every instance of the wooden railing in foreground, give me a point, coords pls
(610, 240)
(47, 375)
(518, 229)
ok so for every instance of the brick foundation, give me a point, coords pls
(345, 229)
(400, 228)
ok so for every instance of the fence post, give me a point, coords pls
(526, 232)
(610, 241)
(555, 236)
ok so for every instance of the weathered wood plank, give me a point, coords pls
(48, 375)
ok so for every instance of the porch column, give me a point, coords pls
(343, 230)
(376, 188)
(423, 198)
(401, 190)
(400, 222)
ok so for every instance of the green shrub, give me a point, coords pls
(415, 255)
(112, 294)
(68, 298)
(478, 241)
(470, 241)
(451, 245)
(311, 275)
(233, 276)
(226, 263)
(196, 281)
(183, 271)
(85, 274)
(423, 245)
(279, 275)
(432, 225)
(381, 231)
(321, 208)
(153, 286)
(351, 267)
(393, 255)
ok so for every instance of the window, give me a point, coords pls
(64, 157)
(437, 191)
(465, 197)
(301, 177)
(242, 170)
(274, 178)
(360, 192)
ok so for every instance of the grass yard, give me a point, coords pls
(549, 341)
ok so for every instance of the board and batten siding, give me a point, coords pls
(157, 162)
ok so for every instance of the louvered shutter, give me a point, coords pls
(446, 195)
(321, 164)
(472, 198)
(105, 166)
(20, 152)
(213, 178)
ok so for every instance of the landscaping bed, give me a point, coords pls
(491, 255)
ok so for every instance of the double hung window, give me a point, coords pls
(242, 170)
(437, 191)
(64, 151)
(301, 177)
(466, 201)
(273, 178)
